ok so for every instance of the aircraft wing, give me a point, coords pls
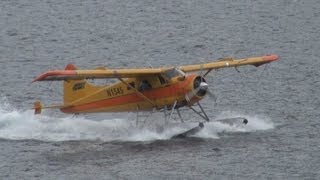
(229, 62)
(57, 75)
(71, 73)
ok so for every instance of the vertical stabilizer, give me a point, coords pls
(74, 90)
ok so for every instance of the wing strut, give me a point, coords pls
(173, 107)
(207, 73)
(179, 114)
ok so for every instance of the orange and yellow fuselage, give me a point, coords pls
(120, 97)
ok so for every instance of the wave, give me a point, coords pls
(17, 125)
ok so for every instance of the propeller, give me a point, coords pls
(200, 86)
(210, 93)
(200, 89)
(212, 96)
(203, 75)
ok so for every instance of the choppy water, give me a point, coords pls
(281, 100)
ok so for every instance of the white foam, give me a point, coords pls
(256, 123)
(15, 124)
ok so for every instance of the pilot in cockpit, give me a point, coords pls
(144, 85)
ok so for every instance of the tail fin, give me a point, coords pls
(71, 67)
(76, 89)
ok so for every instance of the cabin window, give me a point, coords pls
(131, 85)
(162, 80)
(144, 85)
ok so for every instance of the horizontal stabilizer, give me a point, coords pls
(37, 106)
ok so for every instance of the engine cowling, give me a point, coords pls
(200, 87)
(198, 90)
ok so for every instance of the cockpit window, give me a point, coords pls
(174, 72)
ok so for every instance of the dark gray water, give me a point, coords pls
(281, 100)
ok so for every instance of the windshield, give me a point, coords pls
(174, 72)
